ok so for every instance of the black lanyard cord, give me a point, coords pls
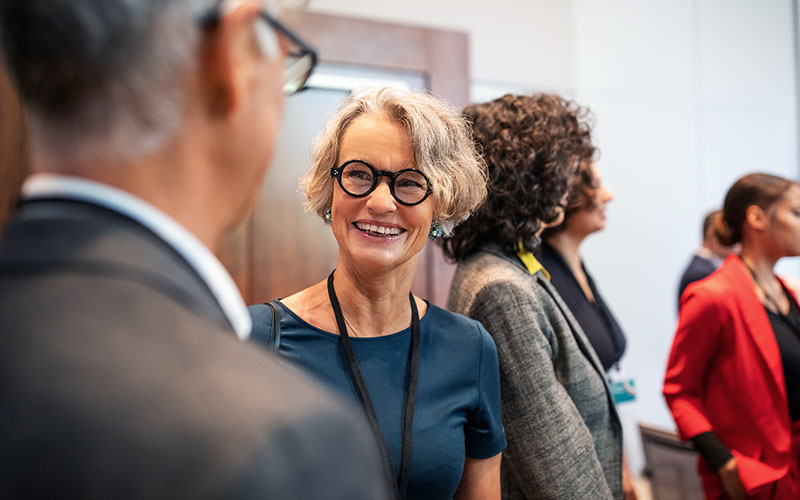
(410, 395)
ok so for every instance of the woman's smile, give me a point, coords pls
(380, 230)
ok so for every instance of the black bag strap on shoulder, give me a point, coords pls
(266, 325)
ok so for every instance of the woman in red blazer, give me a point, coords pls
(733, 375)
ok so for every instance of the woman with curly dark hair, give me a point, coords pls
(564, 435)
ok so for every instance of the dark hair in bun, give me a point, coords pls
(759, 189)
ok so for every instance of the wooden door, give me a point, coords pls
(13, 146)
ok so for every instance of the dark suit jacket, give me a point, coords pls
(699, 268)
(725, 374)
(121, 378)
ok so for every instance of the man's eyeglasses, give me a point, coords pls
(301, 58)
(358, 178)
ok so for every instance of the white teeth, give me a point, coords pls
(379, 229)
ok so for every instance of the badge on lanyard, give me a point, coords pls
(623, 389)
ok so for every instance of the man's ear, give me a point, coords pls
(226, 51)
(756, 217)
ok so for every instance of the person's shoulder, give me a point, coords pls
(490, 270)
(488, 262)
(274, 394)
(288, 429)
(506, 289)
(720, 288)
(229, 402)
(294, 430)
(453, 332)
(698, 268)
(703, 262)
(296, 459)
(718, 279)
(444, 321)
(128, 320)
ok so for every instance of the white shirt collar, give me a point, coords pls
(210, 269)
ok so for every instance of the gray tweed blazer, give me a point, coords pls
(564, 434)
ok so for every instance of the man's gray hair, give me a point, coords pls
(102, 80)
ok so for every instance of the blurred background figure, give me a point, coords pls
(122, 371)
(585, 214)
(564, 434)
(392, 170)
(709, 256)
(733, 376)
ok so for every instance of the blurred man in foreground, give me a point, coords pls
(152, 125)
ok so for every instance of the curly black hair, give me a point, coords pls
(532, 145)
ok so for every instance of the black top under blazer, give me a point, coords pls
(595, 318)
(121, 378)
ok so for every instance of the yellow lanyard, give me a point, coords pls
(530, 262)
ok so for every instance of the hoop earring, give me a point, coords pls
(328, 215)
(436, 231)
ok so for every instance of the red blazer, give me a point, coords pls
(725, 374)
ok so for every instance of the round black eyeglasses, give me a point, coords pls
(358, 178)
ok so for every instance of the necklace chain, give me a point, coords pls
(788, 317)
(774, 303)
(350, 326)
(355, 333)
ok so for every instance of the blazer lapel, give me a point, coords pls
(583, 343)
(756, 320)
(577, 332)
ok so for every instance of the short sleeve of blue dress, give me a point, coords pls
(457, 412)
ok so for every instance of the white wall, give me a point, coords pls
(511, 41)
(688, 95)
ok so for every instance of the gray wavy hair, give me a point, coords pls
(102, 79)
(442, 143)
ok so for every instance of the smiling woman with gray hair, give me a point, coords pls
(391, 170)
(442, 149)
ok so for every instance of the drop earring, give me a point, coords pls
(436, 230)
(327, 215)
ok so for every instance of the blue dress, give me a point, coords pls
(458, 395)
